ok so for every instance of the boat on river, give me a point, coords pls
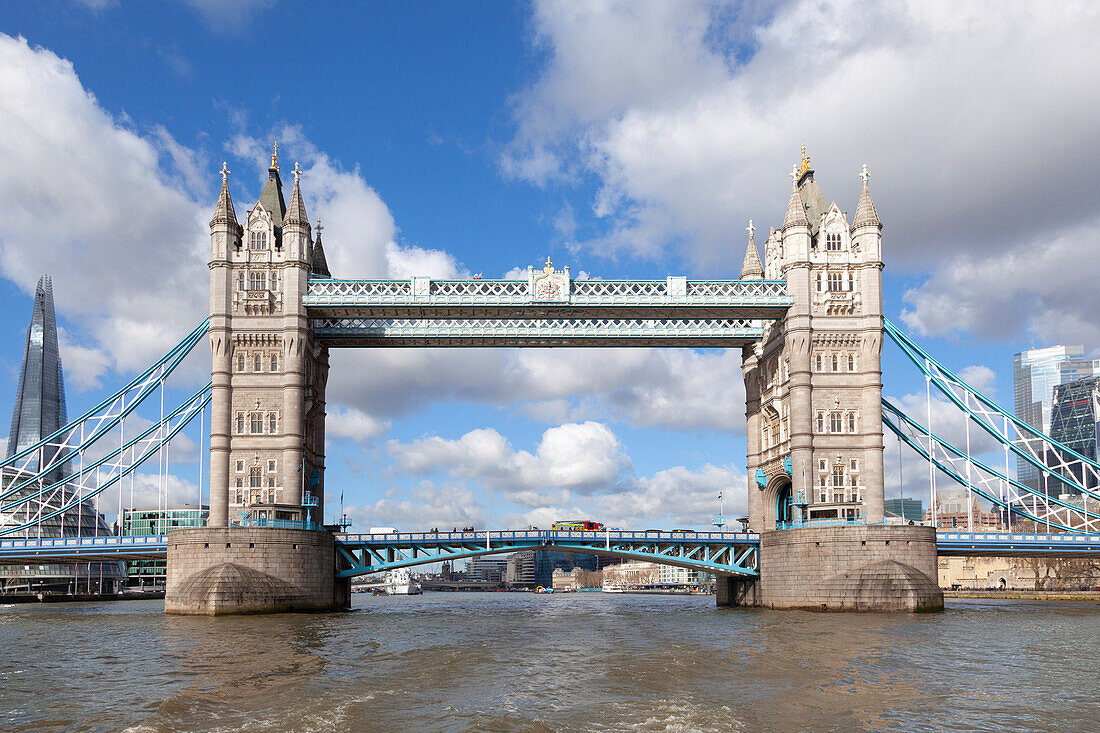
(400, 582)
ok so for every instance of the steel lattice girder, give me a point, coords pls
(674, 298)
(533, 332)
(724, 553)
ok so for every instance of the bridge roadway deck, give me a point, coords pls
(156, 546)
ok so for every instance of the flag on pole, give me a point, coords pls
(719, 494)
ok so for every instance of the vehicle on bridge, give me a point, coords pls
(577, 525)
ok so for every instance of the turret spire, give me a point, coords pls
(752, 269)
(866, 214)
(296, 212)
(223, 210)
(319, 265)
(796, 210)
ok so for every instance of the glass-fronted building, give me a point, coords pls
(909, 510)
(1035, 374)
(1075, 421)
(547, 561)
(157, 520)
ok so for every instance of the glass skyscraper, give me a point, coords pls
(1035, 374)
(1075, 419)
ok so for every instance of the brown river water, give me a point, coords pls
(525, 662)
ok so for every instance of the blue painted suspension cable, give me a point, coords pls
(919, 357)
(172, 358)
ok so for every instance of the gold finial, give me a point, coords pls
(549, 265)
(275, 157)
(805, 162)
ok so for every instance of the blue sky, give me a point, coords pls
(623, 139)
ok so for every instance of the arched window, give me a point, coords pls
(240, 362)
(258, 363)
(240, 280)
(851, 422)
(817, 362)
(257, 281)
(836, 423)
(240, 425)
(272, 423)
(257, 423)
(821, 422)
(851, 362)
(240, 483)
(838, 477)
(275, 362)
(834, 363)
(274, 281)
(819, 282)
(836, 282)
(832, 242)
(851, 281)
(257, 240)
(254, 477)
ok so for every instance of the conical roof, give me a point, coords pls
(866, 214)
(319, 265)
(813, 199)
(752, 268)
(296, 212)
(223, 211)
(796, 210)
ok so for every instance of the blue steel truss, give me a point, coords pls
(723, 553)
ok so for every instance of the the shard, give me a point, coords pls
(40, 400)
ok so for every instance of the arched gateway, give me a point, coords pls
(808, 319)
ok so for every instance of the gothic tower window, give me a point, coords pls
(258, 364)
(271, 466)
(821, 422)
(272, 423)
(851, 281)
(835, 363)
(851, 422)
(254, 478)
(257, 423)
(240, 280)
(240, 431)
(274, 281)
(817, 363)
(257, 240)
(240, 362)
(838, 477)
(836, 282)
(819, 282)
(836, 424)
(851, 362)
(257, 281)
(832, 242)
(275, 362)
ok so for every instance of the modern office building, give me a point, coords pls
(521, 569)
(157, 520)
(487, 569)
(1035, 374)
(39, 412)
(674, 575)
(547, 561)
(908, 510)
(1075, 422)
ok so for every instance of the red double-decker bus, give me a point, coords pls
(578, 525)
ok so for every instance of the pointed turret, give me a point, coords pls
(796, 210)
(223, 211)
(752, 269)
(296, 211)
(271, 198)
(866, 214)
(319, 265)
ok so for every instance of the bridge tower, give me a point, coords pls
(267, 418)
(813, 388)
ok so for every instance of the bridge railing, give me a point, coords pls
(547, 536)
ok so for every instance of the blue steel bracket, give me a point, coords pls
(787, 465)
(761, 478)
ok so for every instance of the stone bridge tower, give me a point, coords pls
(268, 409)
(814, 384)
(813, 393)
(263, 549)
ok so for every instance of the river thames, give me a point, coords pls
(525, 662)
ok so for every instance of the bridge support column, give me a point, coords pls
(224, 570)
(850, 568)
(735, 591)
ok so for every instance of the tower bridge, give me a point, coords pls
(807, 316)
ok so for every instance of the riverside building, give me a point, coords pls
(157, 520)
